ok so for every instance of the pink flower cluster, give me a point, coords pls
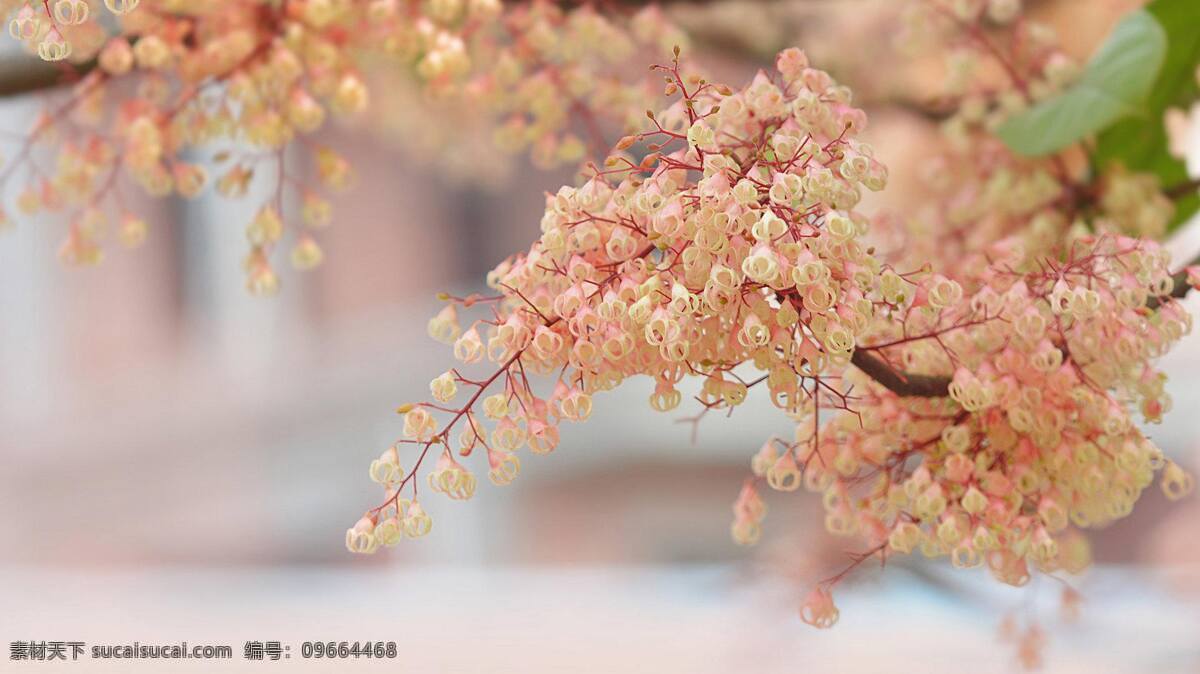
(987, 418)
(734, 240)
(1037, 438)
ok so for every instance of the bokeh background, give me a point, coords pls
(181, 460)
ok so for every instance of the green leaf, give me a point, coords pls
(1114, 84)
(1141, 143)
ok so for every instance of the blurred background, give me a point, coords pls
(181, 460)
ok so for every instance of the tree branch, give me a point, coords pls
(1181, 288)
(23, 74)
(898, 382)
(1184, 189)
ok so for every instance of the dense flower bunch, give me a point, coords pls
(987, 420)
(689, 261)
(1037, 437)
(756, 259)
(244, 80)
